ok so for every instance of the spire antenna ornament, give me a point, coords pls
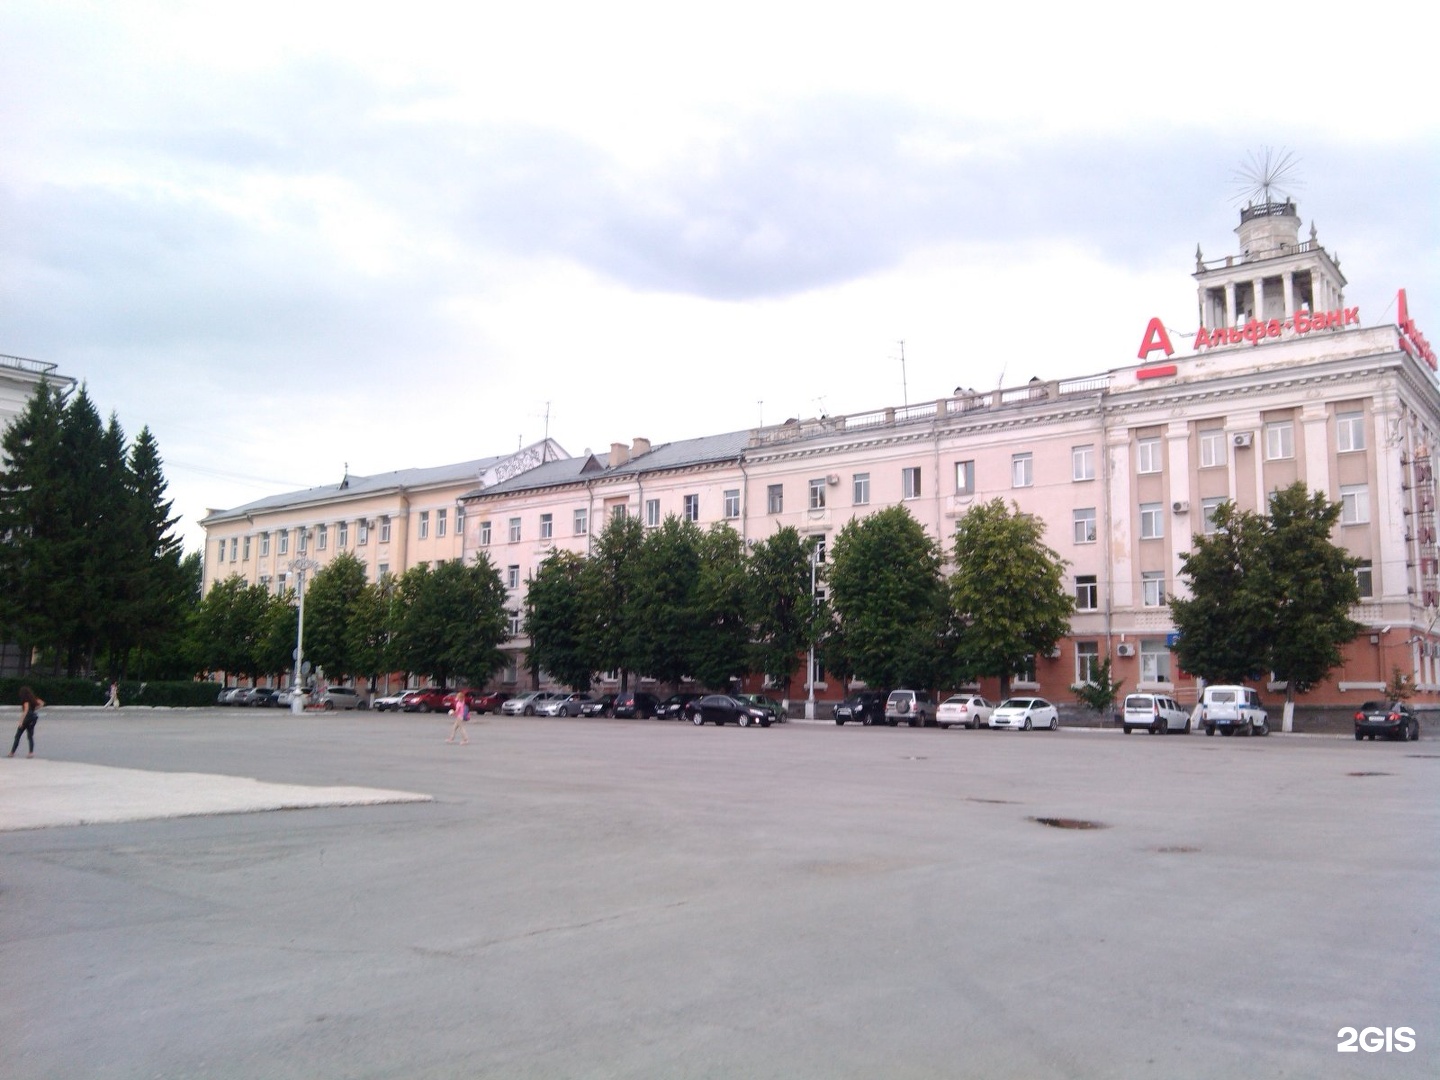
(1267, 176)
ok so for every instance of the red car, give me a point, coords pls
(429, 700)
(478, 700)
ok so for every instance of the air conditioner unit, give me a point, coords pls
(1180, 506)
(833, 479)
(1124, 649)
(1054, 653)
(1242, 439)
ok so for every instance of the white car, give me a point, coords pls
(390, 702)
(528, 703)
(343, 697)
(1154, 713)
(1024, 713)
(967, 710)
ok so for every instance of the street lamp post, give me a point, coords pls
(810, 653)
(299, 566)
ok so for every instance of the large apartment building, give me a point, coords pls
(1281, 383)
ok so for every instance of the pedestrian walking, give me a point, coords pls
(461, 712)
(114, 700)
(29, 714)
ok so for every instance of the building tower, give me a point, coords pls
(1274, 276)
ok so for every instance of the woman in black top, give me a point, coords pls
(29, 713)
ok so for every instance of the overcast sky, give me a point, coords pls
(289, 236)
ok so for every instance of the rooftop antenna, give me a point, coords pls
(904, 382)
(820, 403)
(1266, 175)
(760, 404)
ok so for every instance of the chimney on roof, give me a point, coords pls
(619, 454)
(641, 446)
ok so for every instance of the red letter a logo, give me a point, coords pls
(1155, 338)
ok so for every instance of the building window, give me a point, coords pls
(302, 542)
(775, 499)
(322, 536)
(284, 546)
(1364, 577)
(484, 534)
(342, 535)
(692, 507)
(1147, 456)
(817, 494)
(1349, 431)
(1087, 592)
(439, 523)
(1207, 514)
(1279, 440)
(512, 627)
(910, 483)
(512, 576)
(1152, 521)
(1354, 504)
(385, 529)
(1152, 588)
(1082, 462)
(860, 495)
(1022, 470)
(732, 503)
(1085, 525)
(1154, 662)
(234, 549)
(1212, 448)
(619, 512)
(582, 521)
(245, 549)
(1087, 661)
(460, 520)
(382, 569)
(819, 550)
(547, 526)
(652, 512)
(964, 478)
(264, 544)
(514, 530)
(424, 526)
(282, 583)
(362, 532)
(265, 582)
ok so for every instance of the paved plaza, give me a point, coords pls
(349, 896)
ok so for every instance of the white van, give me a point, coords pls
(1229, 709)
(1155, 713)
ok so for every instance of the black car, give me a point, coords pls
(723, 709)
(599, 706)
(673, 707)
(1393, 719)
(263, 697)
(638, 704)
(864, 707)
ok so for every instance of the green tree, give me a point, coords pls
(451, 621)
(369, 630)
(1100, 692)
(229, 626)
(331, 601)
(1007, 594)
(276, 629)
(782, 615)
(557, 622)
(163, 588)
(721, 627)
(888, 595)
(661, 608)
(609, 586)
(1268, 594)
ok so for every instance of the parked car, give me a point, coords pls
(967, 710)
(263, 697)
(528, 703)
(491, 702)
(915, 707)
(636, 703)
(1154, 713)
(865, 707)
(226, 696)
(777, 711)
(564, 705)
(390, 702)
(1393, 719)
(430, 699)
(343, 697)
(1025, 713)
(1228, 709)
(599, 706)
(241, 697)
(721, 709)
(285, 697)
(472, 699)
(673, 707)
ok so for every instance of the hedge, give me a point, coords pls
(59, 691)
